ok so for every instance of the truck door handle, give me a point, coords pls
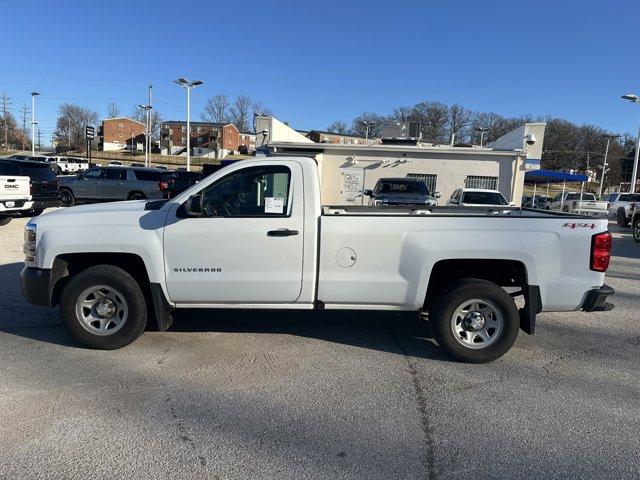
(281, 232)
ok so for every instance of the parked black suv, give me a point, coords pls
(182, 181)
(45, 190)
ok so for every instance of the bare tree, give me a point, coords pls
(401, 114)
(337, 127)
(459, 121)
(217, 109)
(72, 120)
(240, 112)
(369, 124)
(113, 110)
(433, 117)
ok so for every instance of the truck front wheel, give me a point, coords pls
(475, 321)
(103, 307)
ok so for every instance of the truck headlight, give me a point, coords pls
(29, 247)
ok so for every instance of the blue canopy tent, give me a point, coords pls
(549, 176)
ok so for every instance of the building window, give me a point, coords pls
(184, 129)
(429, 179)
(476, 181)
(184, 140)
(199, 129)
(120, 125)
(166, 127)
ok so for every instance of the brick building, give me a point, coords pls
(120, 133)
(247, 142)
(207, 139)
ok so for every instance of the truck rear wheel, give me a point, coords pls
(66, 198)
(636, 231)
(103, 307)
(475, 321)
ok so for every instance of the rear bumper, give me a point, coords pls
(18, 206)
(596, 299)
(35, 285)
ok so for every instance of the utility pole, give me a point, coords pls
(39, 138)
(6, 101)
(149, 125)
(69, 132)
(33, 122)
(24, 111)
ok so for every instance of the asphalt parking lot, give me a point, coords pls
(247, 395)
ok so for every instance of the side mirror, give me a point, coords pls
(437, 194)
(368, 192)
(193, 206)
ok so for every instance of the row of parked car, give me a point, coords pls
(28, 186)
(59, 165)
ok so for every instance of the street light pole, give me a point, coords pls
(33, 122)
(632, 188)
(186, 84)
(482, 132)
(604, 164)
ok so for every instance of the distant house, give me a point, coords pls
(120, 133)
(208, 139)
(247, 142)
(319, 136)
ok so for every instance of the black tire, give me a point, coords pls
(66, 198)
(112, 277)
(452, 297)
(636, 231)
(4, 221)
(137, 196)
(621, 218)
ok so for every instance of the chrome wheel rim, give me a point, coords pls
(477, 323)
(636, 231)
(102, 310)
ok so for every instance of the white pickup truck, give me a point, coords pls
(579, 203)
(15, 193)
(254, 235)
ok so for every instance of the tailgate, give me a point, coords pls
(14, 188)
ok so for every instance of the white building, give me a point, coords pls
(346, 170)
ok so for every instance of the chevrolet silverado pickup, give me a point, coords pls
(254, 235)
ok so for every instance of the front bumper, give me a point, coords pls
(596, 299)
(35, 284)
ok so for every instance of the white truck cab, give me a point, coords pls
(254, 235)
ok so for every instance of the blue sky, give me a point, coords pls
(316, 62)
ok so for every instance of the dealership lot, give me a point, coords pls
(324, 395)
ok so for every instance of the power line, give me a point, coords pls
(24, 111)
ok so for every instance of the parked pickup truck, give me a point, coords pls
(579, 203)
(15, 193)
(254, 235)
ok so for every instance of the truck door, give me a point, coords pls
(247, 245)
(112, 184)
(88, 184)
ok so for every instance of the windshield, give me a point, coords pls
(484, 198)
(37, 172)
(629, 197)
(398, 187)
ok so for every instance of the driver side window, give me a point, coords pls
(93, 174)
(254, 192)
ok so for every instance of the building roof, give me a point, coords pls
(202, 124)
(324, 132)
(122, 118)
(378, 147)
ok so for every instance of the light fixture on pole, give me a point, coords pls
(33, 122)
(609, 137)
(187, 85)
(482, 131)
(147, 110)
(367, 125)
(632, 188)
